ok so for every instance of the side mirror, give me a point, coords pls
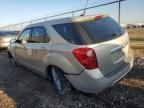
(23, 41)
(12, 41)
(20, 41)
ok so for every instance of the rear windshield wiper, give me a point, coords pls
(114, 34)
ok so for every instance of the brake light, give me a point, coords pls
(86, 57)
(99, 17)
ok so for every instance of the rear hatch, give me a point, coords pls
(108, 39)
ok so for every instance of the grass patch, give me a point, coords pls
(136, 34)
(136, 38)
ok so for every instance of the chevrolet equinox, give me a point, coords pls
(89, 53)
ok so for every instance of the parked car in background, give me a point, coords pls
(5, 37)
(91, 53)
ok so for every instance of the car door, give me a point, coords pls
(20, 46)
(38, 49)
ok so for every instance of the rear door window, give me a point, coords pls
(68, 32)
(102, 30)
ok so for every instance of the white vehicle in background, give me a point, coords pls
(5, 37)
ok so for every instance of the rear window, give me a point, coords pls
(69, 32)
(101, 30)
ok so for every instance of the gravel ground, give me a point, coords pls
(20, 88)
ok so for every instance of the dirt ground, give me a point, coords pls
(20, 88)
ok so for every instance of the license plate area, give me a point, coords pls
(118, 57)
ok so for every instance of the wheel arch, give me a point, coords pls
(9, 55)
(48, 71)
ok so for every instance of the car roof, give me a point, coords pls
(62, 20)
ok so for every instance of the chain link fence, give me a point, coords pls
(20, 26)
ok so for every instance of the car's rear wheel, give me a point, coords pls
(61, 84)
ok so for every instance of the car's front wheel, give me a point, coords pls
(13, 61)
(61, 84)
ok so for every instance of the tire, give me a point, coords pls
(13, 61)
(61, 84)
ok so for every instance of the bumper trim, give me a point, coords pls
(94, 81)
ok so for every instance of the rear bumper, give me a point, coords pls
(93, 81)
(4, 45)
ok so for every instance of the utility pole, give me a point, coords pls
(119, 12)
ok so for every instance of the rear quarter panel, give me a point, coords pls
(61, 54)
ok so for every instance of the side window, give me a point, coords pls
(69, 32)
(39, 35)
(47, 38)
(25, 35)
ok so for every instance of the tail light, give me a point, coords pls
(86, 57)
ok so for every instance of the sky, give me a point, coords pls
(17, 11)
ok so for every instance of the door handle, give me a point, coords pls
(43, 48)
(119, 48)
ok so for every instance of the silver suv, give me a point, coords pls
(89, 53)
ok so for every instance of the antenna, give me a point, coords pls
(85, 8)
